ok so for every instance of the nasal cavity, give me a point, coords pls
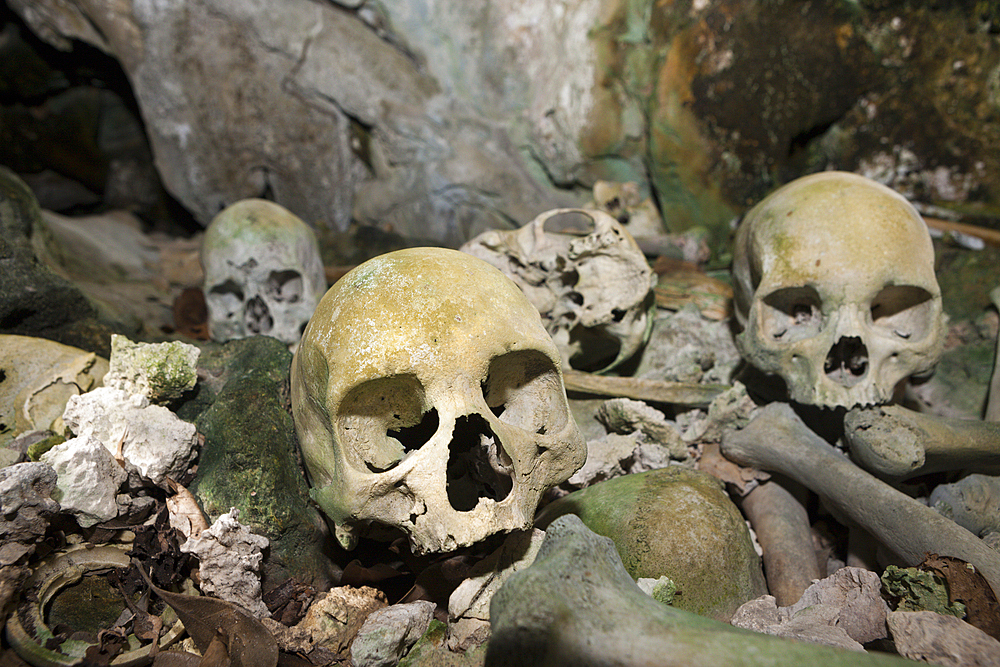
(257, 316)
(847, 362)
(478, 467)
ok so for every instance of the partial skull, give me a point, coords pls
(835, 289)
(263, 272)
(586, 276)
(428, 397)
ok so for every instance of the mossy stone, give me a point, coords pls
(678, 523)
(250, 461)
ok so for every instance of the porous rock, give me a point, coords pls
(678, 523)
(25, 508)
(88, 479)
(388, 633)
(229, 558)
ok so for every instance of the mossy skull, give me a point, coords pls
(428, 397)
(835, 290)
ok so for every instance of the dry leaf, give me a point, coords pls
(250, 643)
(967, 586)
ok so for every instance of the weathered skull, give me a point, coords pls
(591, 283)
(263, 272)
(835, 288)
(427, 396)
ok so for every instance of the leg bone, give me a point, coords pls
(777, 440)
(993, 404)
(894, 442)
(782, 526)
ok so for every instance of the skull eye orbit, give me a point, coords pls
(903, 311)
(791, 314)
(285, 286)
(383, 419)
(523, 389)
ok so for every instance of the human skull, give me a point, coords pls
(263, 272)
(428, 397)
(834, 287)
(590, 282)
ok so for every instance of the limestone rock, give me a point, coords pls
(857, 593)
(388, 633)
(577, 605)
(89, 479)
(153, 442)
(34, 301)
(942, 640)
(334, 617)
(973, 502)
(25, 508)
(159, 371)
(677, 523)
(229, 558)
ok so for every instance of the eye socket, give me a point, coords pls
(903, 311)
(791, 313)
(284, 286)
(523, 389)
(379, 421)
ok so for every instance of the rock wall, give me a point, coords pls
(437, 119)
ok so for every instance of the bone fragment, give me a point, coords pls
(993, 405)
(782, 526)
(892, 441)
(777, 440)
(657, 391)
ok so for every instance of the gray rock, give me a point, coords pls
(25, 508)
(678, 523)
(387, 634)
(89, 479)
(857, 594)
(972, 502)
(942, 640)
(153, 442)
(577, 605)
(34, 301)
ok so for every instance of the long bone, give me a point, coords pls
(777, 440)
(894, 442)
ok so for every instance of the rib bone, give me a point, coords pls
(778, 441)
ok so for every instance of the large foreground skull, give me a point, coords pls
(427, 396)
(835, 289)
(263, 272)
(589, 280)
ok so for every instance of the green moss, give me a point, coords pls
(918, 590)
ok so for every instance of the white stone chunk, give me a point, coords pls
(88, 479)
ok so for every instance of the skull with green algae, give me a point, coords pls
(835, 289)
(428, 397)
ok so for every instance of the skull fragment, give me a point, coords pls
(263, 272)
(835, 290)
(428, 397)
(590, 282)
